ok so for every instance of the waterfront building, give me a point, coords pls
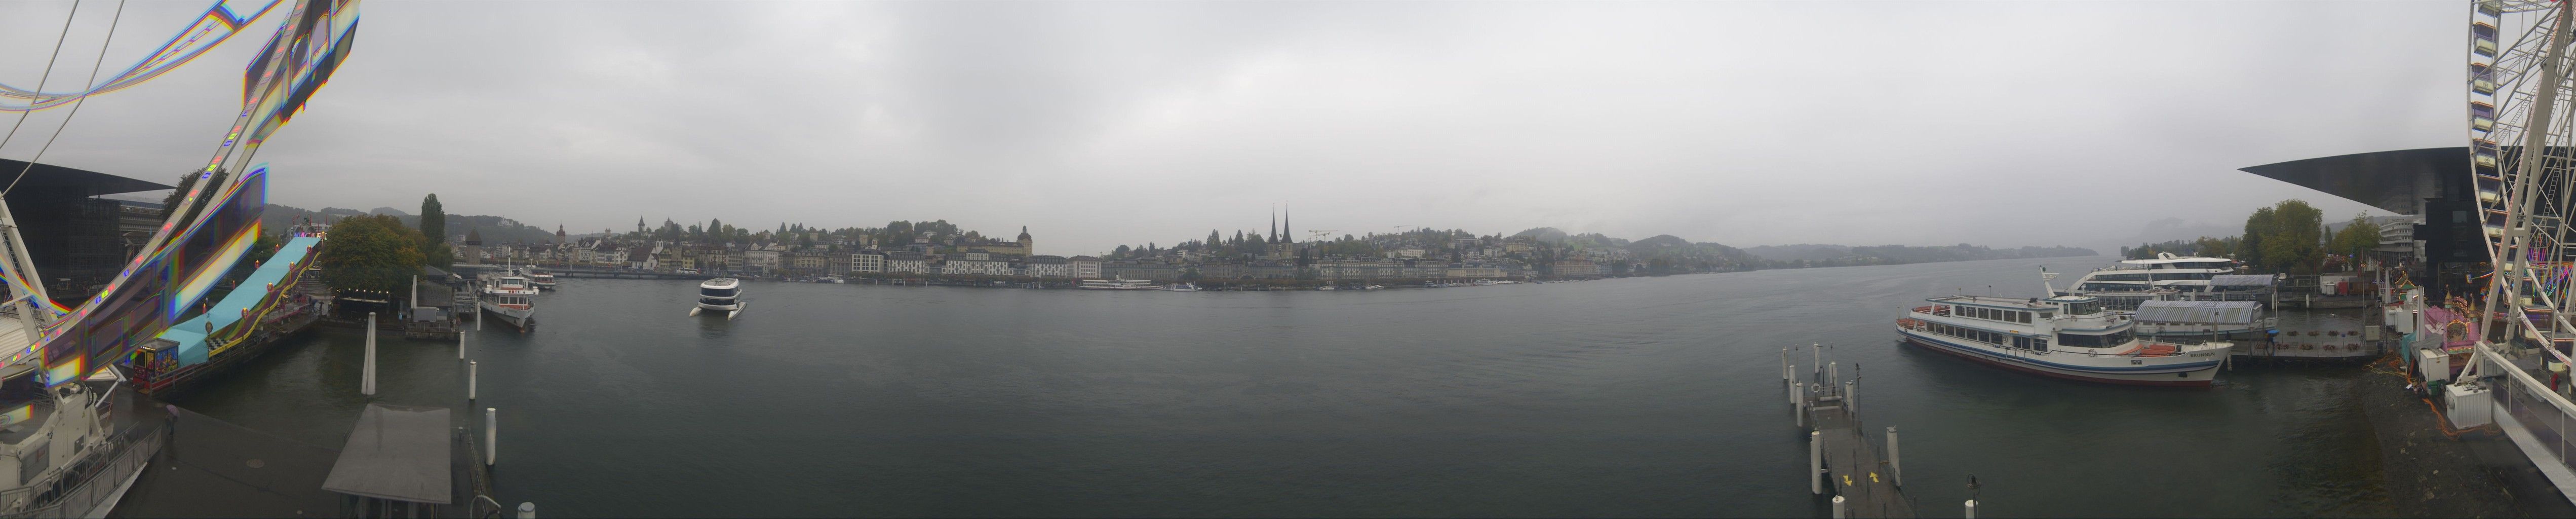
(868, 261)
(764, 258)
(1577, 269)
(979, 256)
(1475, 270)
(807, 263)
(975, 267)
(1084, 267)
(904, 261)
(1049, 266)
(1140, 269)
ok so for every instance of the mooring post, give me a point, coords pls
(1819, 352)
(367, 386)
(527, 510)
(1850, 405)
(472, 378)
(1793, 388)
(1798, 402)
(1833, 374)
(1816, 462)
(1784, 364)
(1838, 507)
(460, 345)
(1972, 509)
(491, 436)
(1895, 469)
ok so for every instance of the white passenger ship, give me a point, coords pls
(513, 299)
(2070, 337)
(719, 295)
(2166, 276)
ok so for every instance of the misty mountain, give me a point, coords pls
(496, 230)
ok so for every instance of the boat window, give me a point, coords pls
(2079, 341)
(2039, 343)
(2044, 314)
(2022, 317)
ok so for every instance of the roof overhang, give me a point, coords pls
(57, 179)
(2394, 181)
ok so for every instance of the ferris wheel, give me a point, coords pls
(2522, 145)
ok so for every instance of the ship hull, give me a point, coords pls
(2197, 374)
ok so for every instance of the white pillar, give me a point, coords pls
(1798, 402)
(367, 382)
(491, 436)
(1850, 405)
(1816, 462)
(527, 510)
(472, 378)
(1833, 374)
(1895, 468)
(460, 344)
(1784, 364)
(1793, 387)
(1972, 509)
(1838, 507)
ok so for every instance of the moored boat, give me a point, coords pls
(2070, 337)
(512, 298)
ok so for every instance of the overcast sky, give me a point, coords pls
(1101, 123)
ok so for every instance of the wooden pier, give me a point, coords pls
(1851, 473)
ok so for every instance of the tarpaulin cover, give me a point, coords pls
(397, 452)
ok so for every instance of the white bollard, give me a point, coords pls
(1816, 462)
(472, 379)
(1833, 374)
(1798, 403)
(527, 510)
(1819, 352)
(1838, 507)
(1793, 389)
(1784, 364)
(1850, 405)
(1895, 469)
(1972, 509)
(491, 436)
(460, 345)
(367, 382)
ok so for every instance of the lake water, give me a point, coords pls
(1627, 397)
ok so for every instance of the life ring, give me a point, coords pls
(2307, 346)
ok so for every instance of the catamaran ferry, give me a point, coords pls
(2070, 337)
(2168, 277)
(720, 295)
(541, 279)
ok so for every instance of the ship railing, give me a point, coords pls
(91, 482)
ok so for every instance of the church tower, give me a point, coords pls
(1027, 247)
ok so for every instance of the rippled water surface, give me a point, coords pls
(1632, 397)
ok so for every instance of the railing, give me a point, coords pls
(93, 482)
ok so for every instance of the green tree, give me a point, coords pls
(2286, 237)
(2356, 239)
(433, 231)
(433, 219)
(371, 253)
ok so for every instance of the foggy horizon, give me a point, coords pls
(1105, 124)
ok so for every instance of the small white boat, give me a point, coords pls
(719, 295)
(541, 280)
(1183, 287)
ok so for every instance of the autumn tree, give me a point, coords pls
(371, 252)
